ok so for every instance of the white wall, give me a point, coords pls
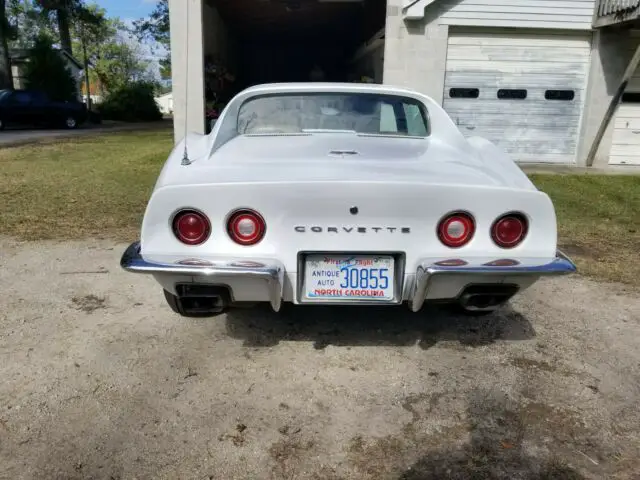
(415, 53)
(564, 14)
(187, 66)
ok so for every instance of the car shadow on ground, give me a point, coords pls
(501, 434)
(366, 326)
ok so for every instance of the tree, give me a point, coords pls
(157, 28)
(63, 11)
(120, 63)
(47, 71)
(6, 79)
(90, 30)
(28, 23)
(68, 13)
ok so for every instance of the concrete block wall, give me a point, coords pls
(415, 52)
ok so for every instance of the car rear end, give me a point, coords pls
(344, 242)
(281, 211)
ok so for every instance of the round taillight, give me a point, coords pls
(456, 229)
(191, 227)
(246, 227)
(509, 230)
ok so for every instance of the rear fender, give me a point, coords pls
(500, 163)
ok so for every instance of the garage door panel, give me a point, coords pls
(624, 160)
(515, 54)
(548, 40)
(531, 129)
(503, 108)
(522, 132)
(539, 121)
(624, 149)
(535, 98)
(538, 147)
(625, 143)
(626, 136)
(627, 122)
(493, 80)
(518, 67)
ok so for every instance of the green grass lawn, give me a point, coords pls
(98, 187)
(80, 187)
(598, 222)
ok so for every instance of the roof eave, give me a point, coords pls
(414, 9)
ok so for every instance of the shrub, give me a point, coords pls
(133, 102)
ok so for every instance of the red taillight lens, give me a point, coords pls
(509, 230)
(246, 227)
(456, 230)
(191, 227)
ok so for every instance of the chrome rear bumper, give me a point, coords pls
(272, 272)
(428, 272)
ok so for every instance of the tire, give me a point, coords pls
(458, 309)
(70, 122)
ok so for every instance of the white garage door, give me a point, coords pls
(625, 147)
(522, 90)
(625, 144)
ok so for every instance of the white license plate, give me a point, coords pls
(349, 277)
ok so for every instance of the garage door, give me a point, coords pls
(625, 147)
(625, 144)
(522, 90)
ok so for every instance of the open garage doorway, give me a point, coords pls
(250, 42)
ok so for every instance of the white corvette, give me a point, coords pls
(344, 194)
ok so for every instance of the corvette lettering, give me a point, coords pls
(317, 229)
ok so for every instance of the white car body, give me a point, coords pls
(306, 187)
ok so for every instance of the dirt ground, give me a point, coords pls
(100, 380)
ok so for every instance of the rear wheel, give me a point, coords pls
(70, 122)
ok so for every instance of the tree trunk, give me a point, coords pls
(86, 67)
(64, 29)
(6, 78)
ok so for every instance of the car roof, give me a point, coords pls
(329, 87)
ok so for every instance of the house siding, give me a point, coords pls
(558, 14)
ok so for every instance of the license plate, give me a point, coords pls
(349, 277)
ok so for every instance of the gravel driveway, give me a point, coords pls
(100, 380)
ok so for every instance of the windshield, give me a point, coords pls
(364, 113)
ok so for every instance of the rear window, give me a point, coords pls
(364, 113)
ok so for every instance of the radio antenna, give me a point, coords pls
(185, 156)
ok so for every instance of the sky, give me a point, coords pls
(128, 11)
